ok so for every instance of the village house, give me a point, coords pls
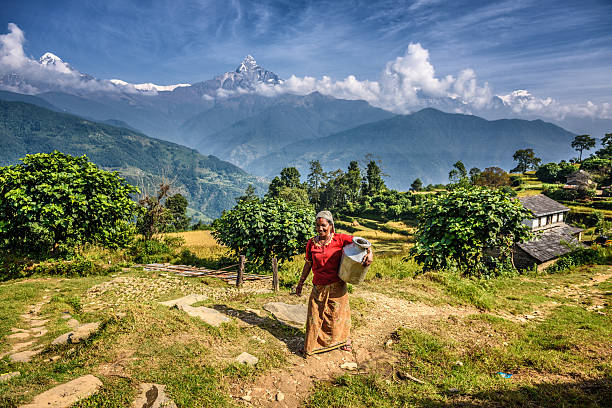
(553, 237)
(580, 180)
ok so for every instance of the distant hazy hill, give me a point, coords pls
(210, 184)
(290, 119)
(425, 145)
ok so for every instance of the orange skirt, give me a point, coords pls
(328, 325)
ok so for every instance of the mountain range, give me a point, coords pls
(230, 117)
(209, 184)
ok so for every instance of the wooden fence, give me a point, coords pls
(226, 273)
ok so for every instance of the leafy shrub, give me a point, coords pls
(516, 181)
(595, 163)
(77, 267)
(595, 218)
(456, 227)
(561, 194)
(146, 251)
(264, 229)
(50, 203)
(555, 173)
(577, 257)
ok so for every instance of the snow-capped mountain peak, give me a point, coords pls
(52, 61)
(247, 65)
(149, 86)
(49, 58)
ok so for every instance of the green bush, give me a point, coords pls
(577, 257)
(262, 230)
(555, 173)
(456, 227)
(561, 194)
(154, 250)
(74, 268)
(50, 203)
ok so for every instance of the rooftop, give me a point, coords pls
(541, 205)
(552, 243)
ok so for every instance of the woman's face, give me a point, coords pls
(324, 227)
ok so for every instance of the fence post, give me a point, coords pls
(275, 274)
(240, 276)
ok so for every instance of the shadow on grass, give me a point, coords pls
(586, 393)
(292, 337)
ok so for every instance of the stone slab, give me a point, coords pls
(39, 332)
(153, 396)
(208, 315)
(82, 332)
(16, 330)
(18, 336)
(185, 301)
(21, 346)
(65, 395)
(291, 315)
(73, 323)
(248, 359)
(38, 322)
(24, 356)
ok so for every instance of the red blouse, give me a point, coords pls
(325, 260)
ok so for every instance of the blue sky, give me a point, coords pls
(561, 49)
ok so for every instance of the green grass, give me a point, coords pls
(564, 358)
(554, 363)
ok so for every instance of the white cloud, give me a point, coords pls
(409, 82)
(11, 48)
(51, 74)
(402, 86)
(523, 102)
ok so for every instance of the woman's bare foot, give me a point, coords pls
(347, 347)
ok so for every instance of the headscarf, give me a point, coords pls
(326, 215)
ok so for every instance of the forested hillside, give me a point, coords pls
(209, 183)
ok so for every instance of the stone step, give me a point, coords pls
(65, 395)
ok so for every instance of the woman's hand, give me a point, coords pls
(298, 288)
(368, 258)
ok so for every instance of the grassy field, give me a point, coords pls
(552, 332)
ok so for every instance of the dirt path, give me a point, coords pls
(290, 386)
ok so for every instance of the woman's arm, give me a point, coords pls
(305, 272)
(368, 258)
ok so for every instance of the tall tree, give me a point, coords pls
(375, 183)
(353, 180)
(474, 174)
(177, 208)
(526, 160)
(583, 142)
(458, 175)
(335, 193)
(290, 177)
(249, 195)
(493, 177)
(275, 186)
(316, 175)
(417, 185)
(606, 151)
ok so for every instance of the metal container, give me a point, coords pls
(351, 269)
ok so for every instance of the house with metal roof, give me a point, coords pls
(553, 237)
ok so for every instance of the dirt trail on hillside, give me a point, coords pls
(384, 315)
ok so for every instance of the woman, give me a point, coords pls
(329, 316)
